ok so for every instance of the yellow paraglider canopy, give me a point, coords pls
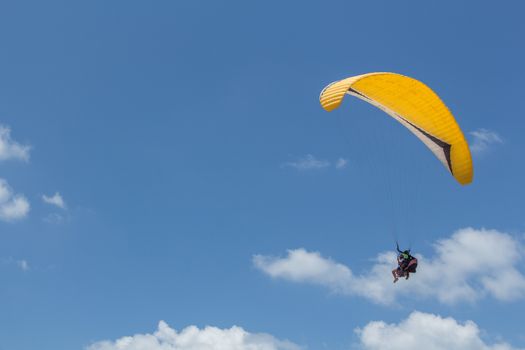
(414, 105)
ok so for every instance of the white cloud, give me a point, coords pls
(428, 331)
(12, 206)
(308, 162)
(56, 199)
(341, 163)
(303, 266)
(23, 265)
(469, 265)
(482, 139)
(193, 338)
(10, 149)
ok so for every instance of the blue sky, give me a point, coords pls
(175, 142)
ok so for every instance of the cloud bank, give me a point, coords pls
(470, 265)
(193, 338)
(12, 206)
(433, 332)
(425, 331)
(10, 149)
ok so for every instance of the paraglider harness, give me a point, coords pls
(407, 263)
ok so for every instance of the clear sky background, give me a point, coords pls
(165, 160)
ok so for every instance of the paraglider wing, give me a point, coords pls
(414, 105)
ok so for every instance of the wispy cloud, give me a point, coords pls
(56, 200)
(23, 265)
(482, 139)
(308, 162)
(191, 338)
(12, 206)
(341, 163)
(54, 218)
(10, 149)
(478, 263)
(434, 331)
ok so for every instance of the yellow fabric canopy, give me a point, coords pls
(414, 105)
